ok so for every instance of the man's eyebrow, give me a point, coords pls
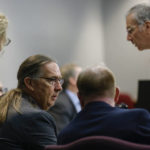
(60, 77)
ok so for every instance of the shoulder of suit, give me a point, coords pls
(137, 111)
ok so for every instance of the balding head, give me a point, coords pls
(95, 82)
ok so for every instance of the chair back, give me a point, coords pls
(99, 143)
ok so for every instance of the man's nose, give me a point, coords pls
(129, 38)
(58, 86)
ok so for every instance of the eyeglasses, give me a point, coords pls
(8, 41)
(52, 81)
(130, 30)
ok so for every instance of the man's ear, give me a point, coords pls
(72, 81)
(147, 26)
(116, 94)
(28, 83)
(80, 99)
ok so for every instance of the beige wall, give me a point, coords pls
(67, 30)
(82, 31)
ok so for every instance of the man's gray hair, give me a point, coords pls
(141, 13)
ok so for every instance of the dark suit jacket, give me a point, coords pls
(99, 118)
(30, 128)
(63, 111)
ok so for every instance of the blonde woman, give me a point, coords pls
(4, 41)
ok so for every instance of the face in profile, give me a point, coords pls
(47, 87)
(137, 34)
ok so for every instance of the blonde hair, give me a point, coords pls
(12, 97)
(3, 23)
(31, 67)
(3, 29)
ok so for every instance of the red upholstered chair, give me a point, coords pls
(126, 98)
(99, 143)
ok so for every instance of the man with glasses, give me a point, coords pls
(23, 123)
(138, 26)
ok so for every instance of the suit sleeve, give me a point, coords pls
(40, 129)
(143, 127)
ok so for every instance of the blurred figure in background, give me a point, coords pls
(4, 41)
(67, 105)
(138, 26)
